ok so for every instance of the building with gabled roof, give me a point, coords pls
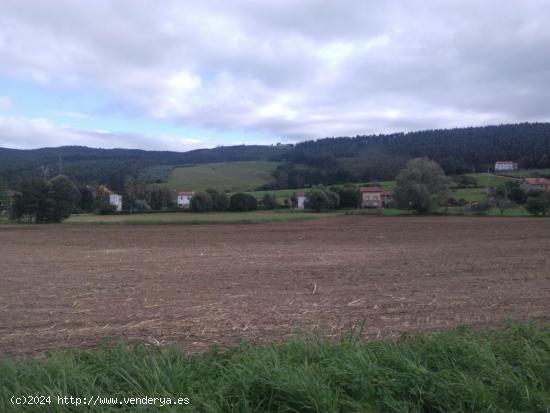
(184, 199)
(375, 197)
(535, 184)
(506, 166)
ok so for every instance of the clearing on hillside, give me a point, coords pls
(75, 285)
(224, 176)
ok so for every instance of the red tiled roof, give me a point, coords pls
(386, 193)
(506, 162)
(370, 189)
(537, 181)
(186, 193)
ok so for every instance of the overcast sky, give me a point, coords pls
(181, 75)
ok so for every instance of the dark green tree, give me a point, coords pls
(31, 200)
(511, 191)
(158, 197)
(87, 198)
(350, 197)
(201, 202)
(62, 199)
(220, 201)
(269, 201)
(242, 202)
(421, 186)
(538, 204)
(317, 200)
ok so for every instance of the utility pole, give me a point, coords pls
(60, 166)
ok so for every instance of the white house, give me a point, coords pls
(184, 199)
(301, 199)
(116, 201)
(506, 166)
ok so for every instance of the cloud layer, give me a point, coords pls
(289, 70)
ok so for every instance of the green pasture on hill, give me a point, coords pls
(223, 176)
(484, 180)
(493, 370)
(529, 172)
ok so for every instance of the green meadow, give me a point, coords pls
(252, 217)
(223, 176)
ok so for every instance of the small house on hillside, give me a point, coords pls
(301, 200)
(375, 197)
(184, 199)
(116, 201)
(505, 166)
(535, 184)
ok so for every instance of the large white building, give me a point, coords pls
(184, 199)
(116, 201)
(506, 166)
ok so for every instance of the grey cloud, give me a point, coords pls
(293, 69)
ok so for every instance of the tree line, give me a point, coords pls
(326, 161)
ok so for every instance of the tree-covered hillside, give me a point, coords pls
(110, 166)
(323, 161)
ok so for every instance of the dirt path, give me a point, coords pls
(69, 285)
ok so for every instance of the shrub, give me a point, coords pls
(317, 200)
(465, 181)
(350, 197)
(538, 204)
(269, 201)
(241, 202)
(220, 202)
(201, 202)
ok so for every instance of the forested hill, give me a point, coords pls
(110, 166)
(321, 161)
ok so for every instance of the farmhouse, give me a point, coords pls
(375, 197)
(301, 200)
(116, 201)
(505, 166)
(535, 184)
(184, 199)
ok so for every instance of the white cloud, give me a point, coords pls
(5, 103)
(291, 69)
(25, 133)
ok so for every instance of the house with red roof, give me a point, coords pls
(535, 184)
(375, 197)
(184, 199)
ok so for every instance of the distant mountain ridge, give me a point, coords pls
(358, 158)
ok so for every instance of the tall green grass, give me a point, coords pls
(456, 371)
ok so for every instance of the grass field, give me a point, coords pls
(529, 172)
(455, 371)
(254, 217)
(484, 180)
(225, 176)
(469, 194)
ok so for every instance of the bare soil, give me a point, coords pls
(76, 285)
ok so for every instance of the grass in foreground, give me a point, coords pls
(455, 371)
(253, 217)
